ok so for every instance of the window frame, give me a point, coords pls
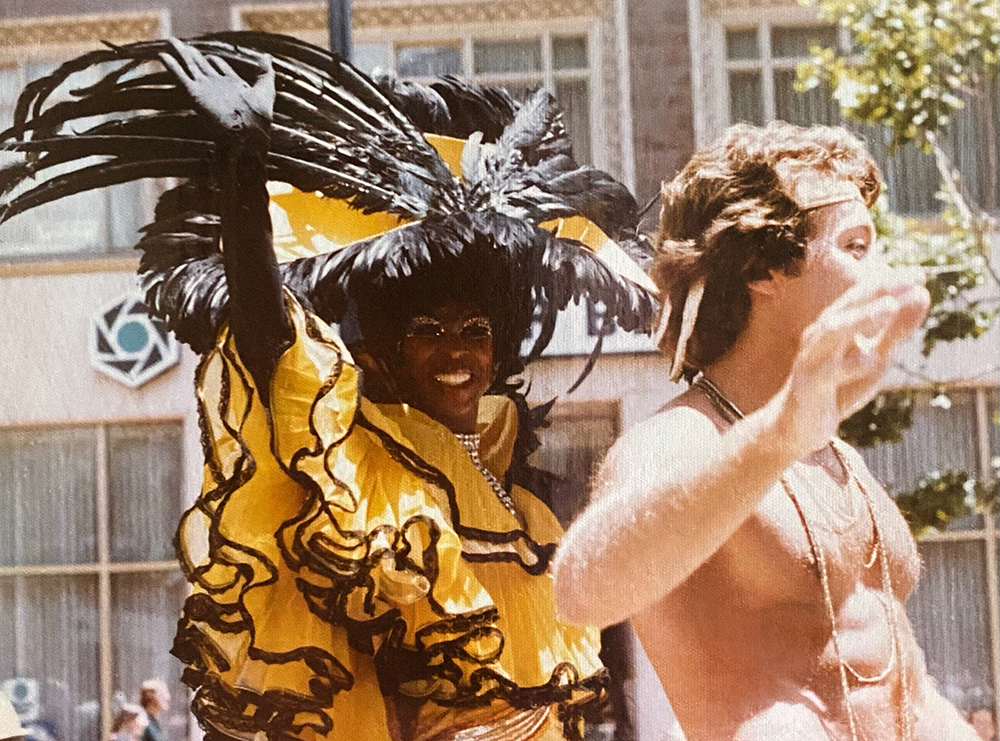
(103, 567)
(988, 534)
(75, 35)
(710, 66)
(465, 37)
(463, 34)
(710, 73)
(767, 63)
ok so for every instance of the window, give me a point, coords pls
(89, 588)
(429, 61)
(90, 223)
(951, 607)
(760, 62)
(559, 63)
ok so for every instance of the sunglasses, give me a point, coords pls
(473, 329)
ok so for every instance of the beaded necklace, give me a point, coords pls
(905, 720)
(470, 441)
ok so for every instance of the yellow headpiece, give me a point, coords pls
(310, 224)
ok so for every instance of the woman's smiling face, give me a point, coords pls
(447, 363)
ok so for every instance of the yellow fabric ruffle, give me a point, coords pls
(342, 551)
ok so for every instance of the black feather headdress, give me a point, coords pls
(371, 180)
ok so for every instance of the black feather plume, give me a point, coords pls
(334, 130)
(337, 132)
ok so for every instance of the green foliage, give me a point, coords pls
(913, 65)
(913, 60)
(957, 269)
(882, 420)
(988, 498)
(943, 497)
(946, 325)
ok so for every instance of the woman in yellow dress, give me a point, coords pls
(367, 559)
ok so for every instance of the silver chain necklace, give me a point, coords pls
(470, 441)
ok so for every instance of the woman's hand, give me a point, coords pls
(218, 92)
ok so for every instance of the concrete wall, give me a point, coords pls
(45, 372)
(661, 91)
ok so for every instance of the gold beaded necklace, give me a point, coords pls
(905, 720)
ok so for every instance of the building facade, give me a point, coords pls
(99, 448)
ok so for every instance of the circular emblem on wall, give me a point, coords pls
(129, 345)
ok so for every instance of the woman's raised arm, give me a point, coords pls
(240, 113)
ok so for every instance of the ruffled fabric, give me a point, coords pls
(348, 559)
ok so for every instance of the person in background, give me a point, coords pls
(154, 697)
(128, 723)
(10, 723)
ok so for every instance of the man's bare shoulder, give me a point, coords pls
(686, 424)
(685, 419)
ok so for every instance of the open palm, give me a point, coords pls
(218, 92)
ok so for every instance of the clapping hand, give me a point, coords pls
(218, 92)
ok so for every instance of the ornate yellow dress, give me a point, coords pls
(356, 577)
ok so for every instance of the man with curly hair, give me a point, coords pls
(766, 570)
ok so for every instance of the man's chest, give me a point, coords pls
(812, 521)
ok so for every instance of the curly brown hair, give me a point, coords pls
(728, 218)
